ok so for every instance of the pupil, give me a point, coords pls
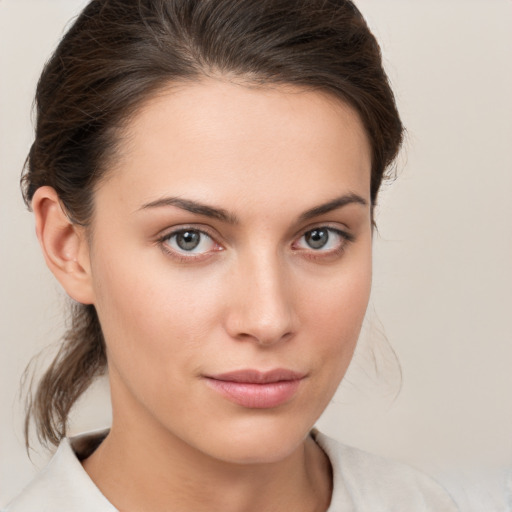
(188, 240)
(317, 238)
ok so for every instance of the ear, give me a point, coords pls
(64, 245)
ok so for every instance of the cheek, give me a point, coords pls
(336, 311)
(151, 329)
(145, 310)
(341, 297)
(157, 319)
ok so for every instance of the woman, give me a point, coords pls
(203, 181)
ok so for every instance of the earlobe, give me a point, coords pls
(64, 245)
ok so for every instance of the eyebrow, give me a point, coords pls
(336, 203)
(230, 218)
(194, 207)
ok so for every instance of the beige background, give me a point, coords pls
(443, 276)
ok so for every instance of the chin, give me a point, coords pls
(256, 442)
(256, 452)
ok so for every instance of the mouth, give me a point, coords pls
(255, 389)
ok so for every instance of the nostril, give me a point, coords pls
(262, 310)
(267, 336)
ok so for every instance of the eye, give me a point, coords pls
(323, 239)
(317, 238)
(191, 241)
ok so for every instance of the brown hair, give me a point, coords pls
(118, 53)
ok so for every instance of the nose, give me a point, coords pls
(261, 307)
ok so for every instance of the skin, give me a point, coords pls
(254, 294)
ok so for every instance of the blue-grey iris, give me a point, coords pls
(188, 240)
(317, 238)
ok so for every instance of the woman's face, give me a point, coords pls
(230, 260)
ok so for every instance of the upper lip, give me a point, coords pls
(251, 376)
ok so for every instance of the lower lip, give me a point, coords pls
(256, 396)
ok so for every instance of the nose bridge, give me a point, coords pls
(262, 306)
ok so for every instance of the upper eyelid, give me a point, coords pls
(163, 241)
(214, 235)
(348, 237)
(343, 231)
(185, 256)
(168, 232)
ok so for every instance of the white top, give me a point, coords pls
(479, 489)
(361, 483)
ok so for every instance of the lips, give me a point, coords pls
(254, 389)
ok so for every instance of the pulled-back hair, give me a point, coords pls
(119, 53)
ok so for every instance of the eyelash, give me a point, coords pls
(311, 253)
(163, 242)
(346, 238)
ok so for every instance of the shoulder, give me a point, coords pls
(362, 481)
(63, 485)
(480, 488)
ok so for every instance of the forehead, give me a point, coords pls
(218, 140)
